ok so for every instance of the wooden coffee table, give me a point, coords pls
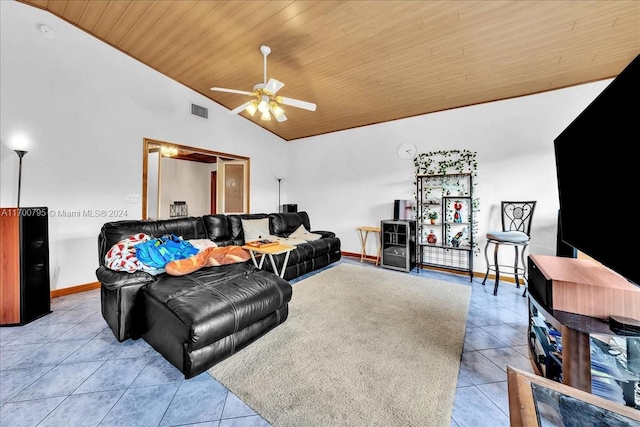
(270, 251)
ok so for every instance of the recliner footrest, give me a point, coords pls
(220, 309)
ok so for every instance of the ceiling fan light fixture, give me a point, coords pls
(252, 108)
(263, 106)
(264, 97)
(276, 110)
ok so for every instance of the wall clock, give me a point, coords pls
(407, 151)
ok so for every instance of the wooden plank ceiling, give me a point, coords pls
(365, 62)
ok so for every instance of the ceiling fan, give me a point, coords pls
(266, 101)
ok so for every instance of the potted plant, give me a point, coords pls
(432, 215)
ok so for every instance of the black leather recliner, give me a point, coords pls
(199, 319)
(120, 297)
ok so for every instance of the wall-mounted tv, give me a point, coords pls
(598, 176)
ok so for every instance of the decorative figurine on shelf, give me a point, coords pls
(431, 238)
(457, 216)
(455, 240)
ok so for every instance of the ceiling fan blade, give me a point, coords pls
(241, 92)
(297, 103)
(240, 108)
(273, 86)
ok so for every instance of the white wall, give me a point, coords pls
(87, 107)
(153, 185)
(185, 181)
(360, 174)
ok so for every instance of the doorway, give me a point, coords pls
(174, 173)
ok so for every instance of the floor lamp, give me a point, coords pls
(279, 205)
(20, 154)
(19, 144)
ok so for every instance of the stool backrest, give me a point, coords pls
(517, 216)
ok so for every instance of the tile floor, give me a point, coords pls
(67, 369)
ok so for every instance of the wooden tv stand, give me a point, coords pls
(581, 295)
(583, 286)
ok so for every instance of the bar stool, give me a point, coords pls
(516, 228)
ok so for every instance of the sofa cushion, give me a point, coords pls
(255, 229)
(217, 227)
(235, 222)
(283, 224)
(304, 234)
(306, 251)
(291, 241)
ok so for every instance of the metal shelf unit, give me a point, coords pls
(451, 196)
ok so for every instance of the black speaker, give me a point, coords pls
(289, 208)
(24, 233)
(34, 264)
(396, 209)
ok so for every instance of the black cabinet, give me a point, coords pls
(398, 244)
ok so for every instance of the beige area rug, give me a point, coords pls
(361, 347)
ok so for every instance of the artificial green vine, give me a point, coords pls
(451, 162)
(444, 162)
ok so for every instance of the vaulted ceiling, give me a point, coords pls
(366, 62)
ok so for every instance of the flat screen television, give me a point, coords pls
(598, 176)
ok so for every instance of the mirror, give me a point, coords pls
(178, 180)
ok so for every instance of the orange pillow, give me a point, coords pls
(225, 255)
(209, 257)
(180, 267)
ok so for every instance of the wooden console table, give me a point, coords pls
(582, 286)
(576, 297)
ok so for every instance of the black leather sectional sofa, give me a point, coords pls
(201, 318)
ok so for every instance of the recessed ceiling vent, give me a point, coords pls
(199, 111)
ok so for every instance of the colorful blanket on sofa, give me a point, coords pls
(158, 252)
(122, 255)
(171, 254)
